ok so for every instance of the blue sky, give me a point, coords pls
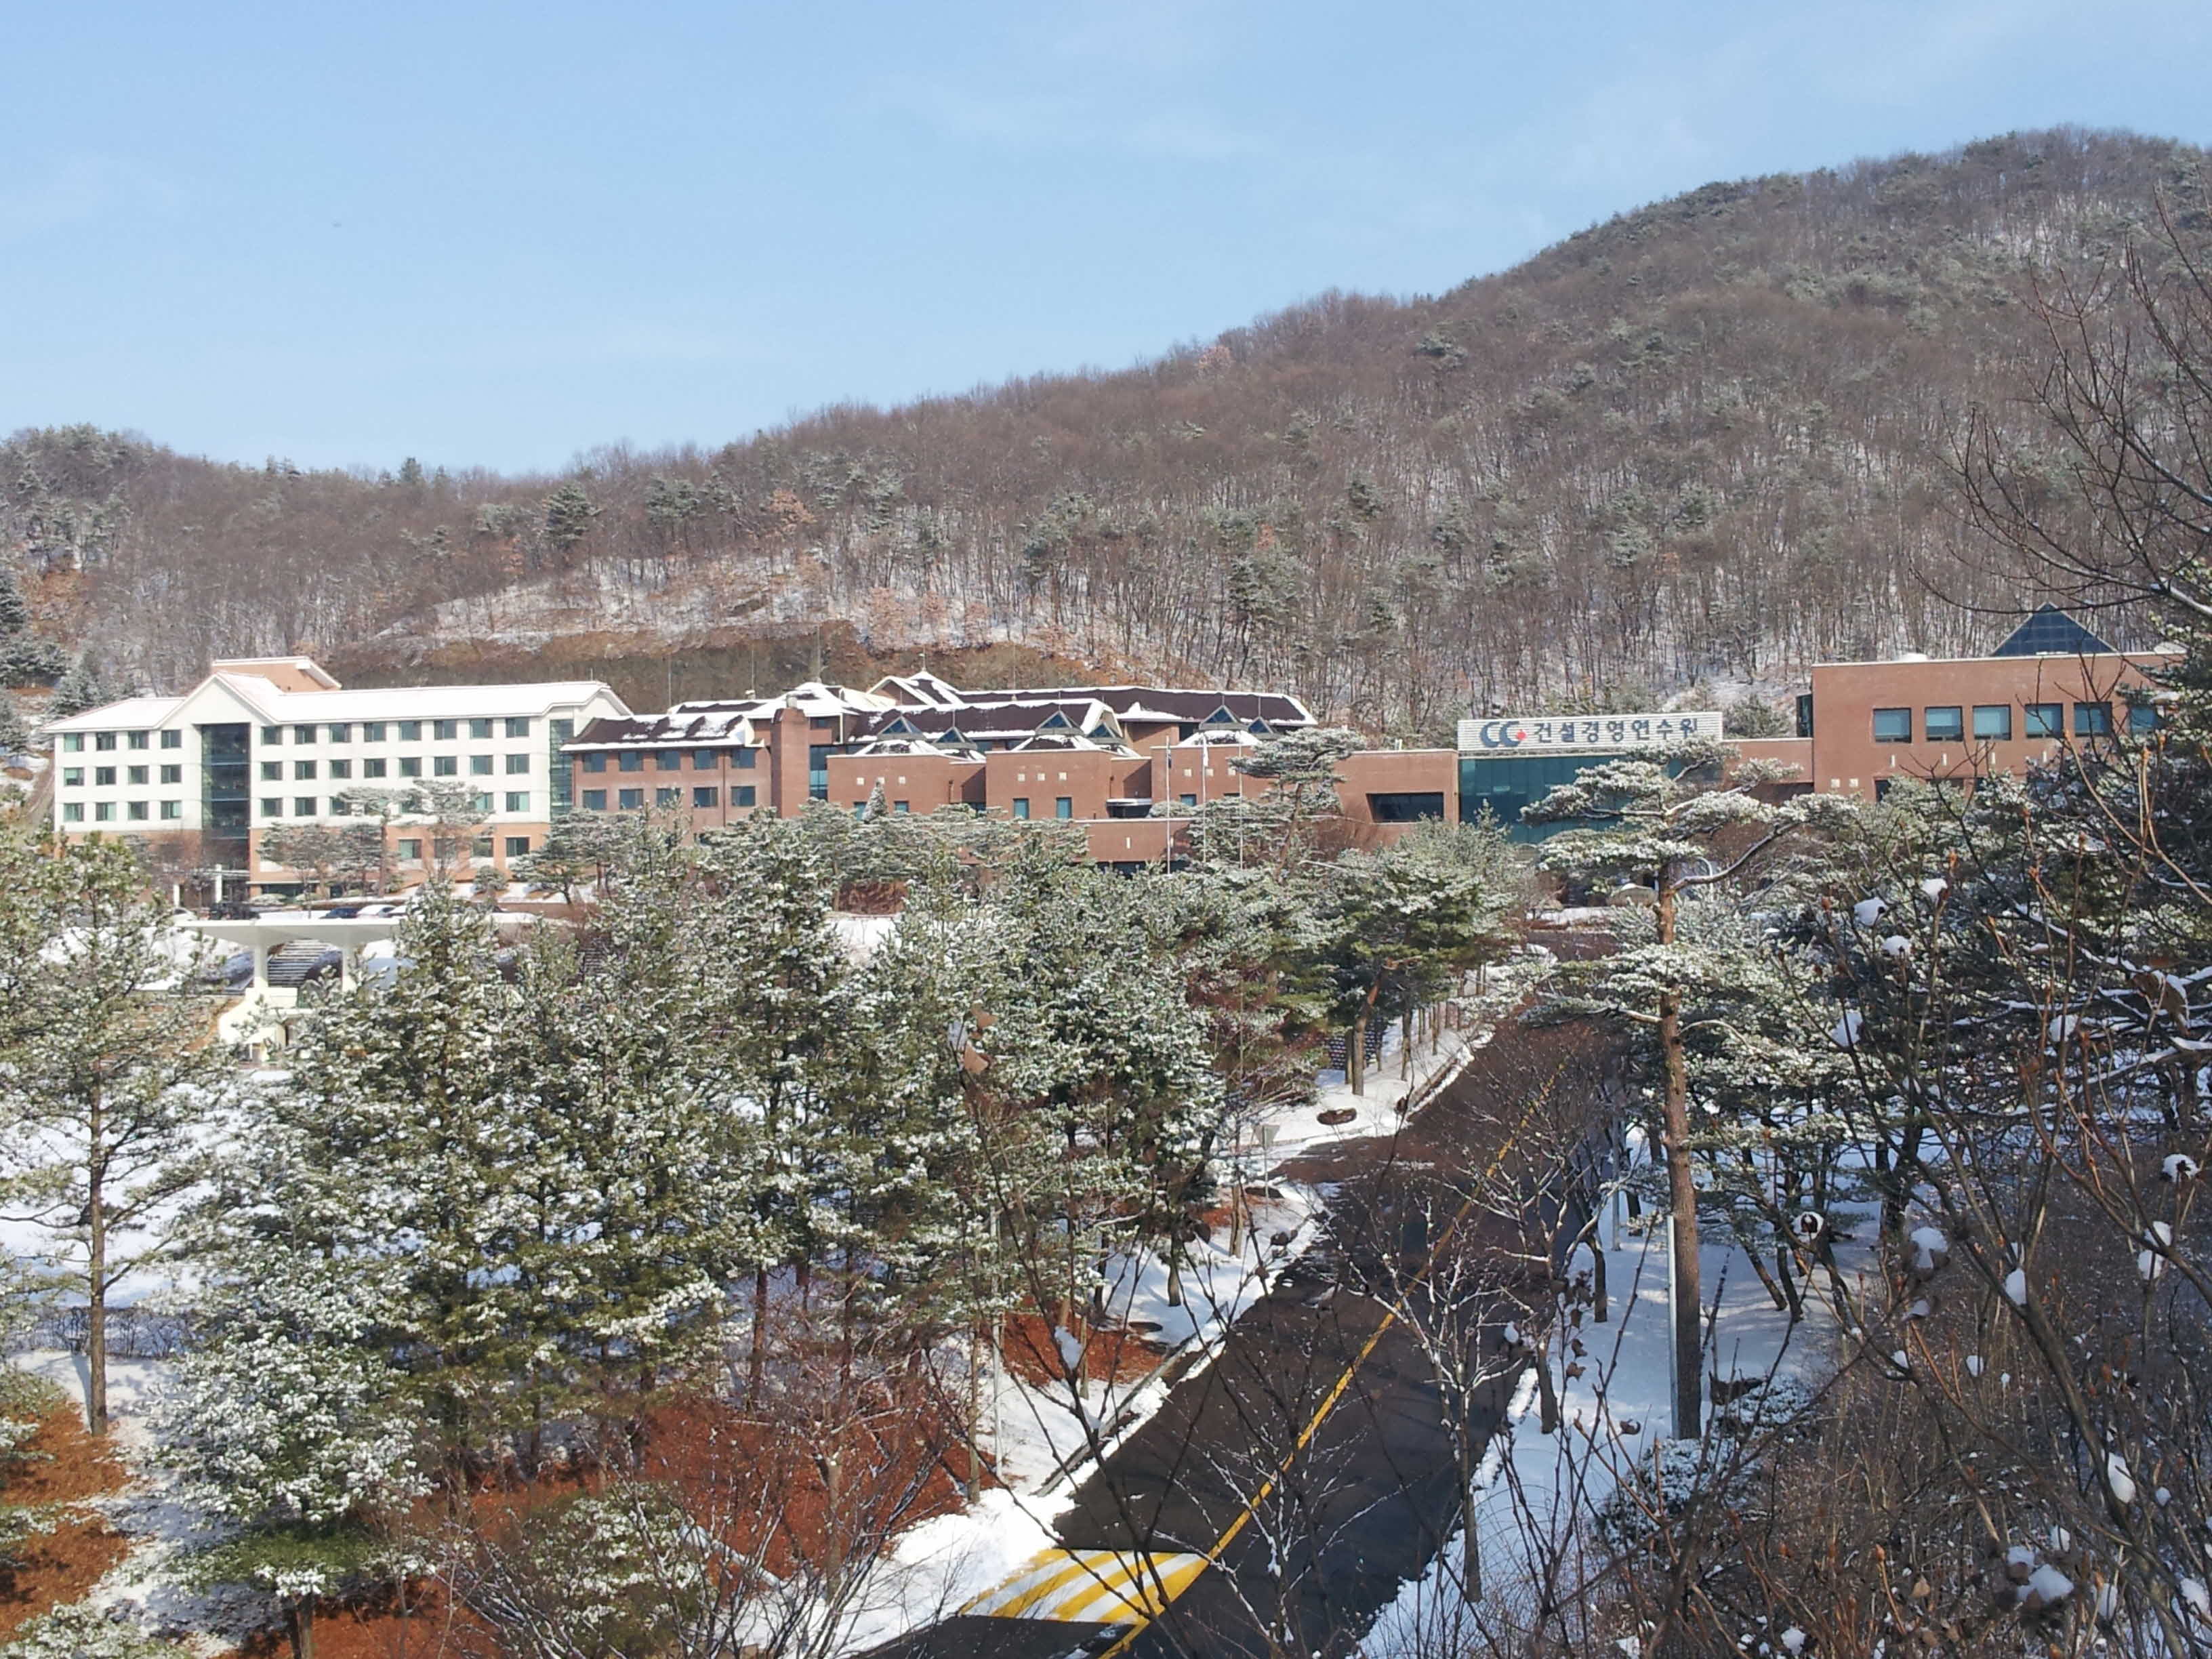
(502, 235)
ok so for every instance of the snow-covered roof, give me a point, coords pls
(130, 713)
(686, 724)
(884, 746)
(278, 706)
(1221, 736)
(1068, 742)
(923, 689)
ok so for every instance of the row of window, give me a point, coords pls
(104, 777)
(1946, 723)
(670, 760)
(408, 850)
(516, 725)
(310, 807)
(73, 742)
(410, 766)
(1063, 806)
(630, 800)
(134, 812)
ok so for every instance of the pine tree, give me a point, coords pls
(1675, 824)
(289, 1420)
(82, 688)
(112, 1074)
(15, 610)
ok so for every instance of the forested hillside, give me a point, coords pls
(1710, 438)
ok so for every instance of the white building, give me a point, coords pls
(263, 743)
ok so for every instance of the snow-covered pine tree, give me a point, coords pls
(1674, 823)
(288, 1420)
(111, 1076)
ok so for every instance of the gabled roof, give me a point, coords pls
(719, 729)
(2049, 632)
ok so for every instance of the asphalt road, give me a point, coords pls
(1336, 1515)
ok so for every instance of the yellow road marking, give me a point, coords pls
(1104, 1587)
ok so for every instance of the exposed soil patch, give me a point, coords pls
(50, 1569)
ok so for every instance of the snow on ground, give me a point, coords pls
(943, 1564)
(862, 936)
(1540, 1491)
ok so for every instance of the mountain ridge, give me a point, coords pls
(1707, 439)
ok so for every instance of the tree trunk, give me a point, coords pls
(1470, 1544)
(757, 1360)
(303, 1628)
(1355, 1053)
(1684, 1291)
(95, 1295)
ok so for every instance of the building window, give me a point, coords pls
(411, 850)
(1892, 725)
(742, 795)
(1943, 724)
(595, 763)
(272, 807)
(103, 740)
(72, 743)
(72, 777)
(445, 766)
(671, 797)
(709, 796)
(341, 768)
(445, 730)
(410, 766)
(480, 803)
(303, 734)
(103, 777)
(2141, 718)
(630, 799)
(104, 812)
(172, 810)
(743, 760)
(373, 768)
(135, 774)
(172, 740)
(517, 800)
(517, 846)
(340, 733)
(136, 811)
(272, 734)
(303, 769)
(1021, 806)
(272, 771)
(2046, 719)
(2093, 720)
(74, 812)
(142, 739)
(1992, 722)
(518, 725)
(1063, 807)
(668, 760)
(480, 765)
(595, 801)
(480, 847)
(481, 728)
(517, 766)
(902, 807)
(371, 730)
(172, 774)
(303, 806)
(630, 760)
(411, 731)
